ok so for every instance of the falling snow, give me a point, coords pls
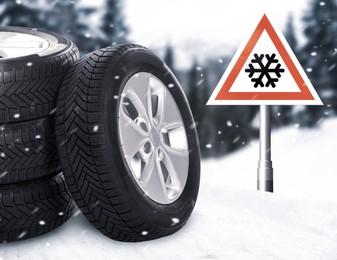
(35, 210)
(29, 64)
(332, 67)
(77, 212)
(22, 234)
(16, 115)
(2, 154)
(236, 139)
(208, 146)
(229, 123)
(3, 174)
(95, 128)
(193, 125)
(53, 111)
(38, 136)
(42, 223)
(73, 131)
(144, 233)
(200, 82)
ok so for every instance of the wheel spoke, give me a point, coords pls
(139, 104)
(136, 136)
(174, 127)
(139, 90)
(155, 185)
(6, 36)
(157, 100)
(21, 44)
(175, 137)
(147, 170)
(149, 104)
(171, 116)
(175, 162)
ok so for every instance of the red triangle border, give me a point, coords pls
(264, 25)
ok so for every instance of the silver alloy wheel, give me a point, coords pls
(153, 138)
(14, 44)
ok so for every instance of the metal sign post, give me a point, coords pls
(264, 71)
(265, 168)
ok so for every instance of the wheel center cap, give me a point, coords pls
(155, 137)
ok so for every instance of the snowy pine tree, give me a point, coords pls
(169, 57)
(319, 54)
(197, 96)
(290, 33)
(282, 115)
(193, 93)
(113, 26)
(19, 13)
(64, 17)
(70, 20)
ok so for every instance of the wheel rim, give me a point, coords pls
(13, 44)
(153, 138)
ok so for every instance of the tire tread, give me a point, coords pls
(95, 192)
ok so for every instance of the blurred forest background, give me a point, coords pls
(221, 130)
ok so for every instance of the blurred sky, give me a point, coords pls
(203, 28)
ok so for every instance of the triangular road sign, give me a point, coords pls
(264, 71)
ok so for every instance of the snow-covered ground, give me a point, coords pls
(231, 220)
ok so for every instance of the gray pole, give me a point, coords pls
(265, 168)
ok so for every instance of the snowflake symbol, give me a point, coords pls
(257, 74)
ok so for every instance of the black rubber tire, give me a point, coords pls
(29, 84)
(28, 150)
(30, 209)
(97, 176)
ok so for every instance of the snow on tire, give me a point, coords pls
(127, 143)
(30, 209)
(32, 65)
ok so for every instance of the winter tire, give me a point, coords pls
(121, 106)
(32, 65)
(30, 209)
(27, 150)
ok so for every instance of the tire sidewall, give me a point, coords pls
(49, 36)
(131, 62)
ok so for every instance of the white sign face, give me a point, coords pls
(264, 71)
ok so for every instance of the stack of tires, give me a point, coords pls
(125, 138)
(34, 198)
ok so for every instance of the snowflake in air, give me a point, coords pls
(259, 69)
